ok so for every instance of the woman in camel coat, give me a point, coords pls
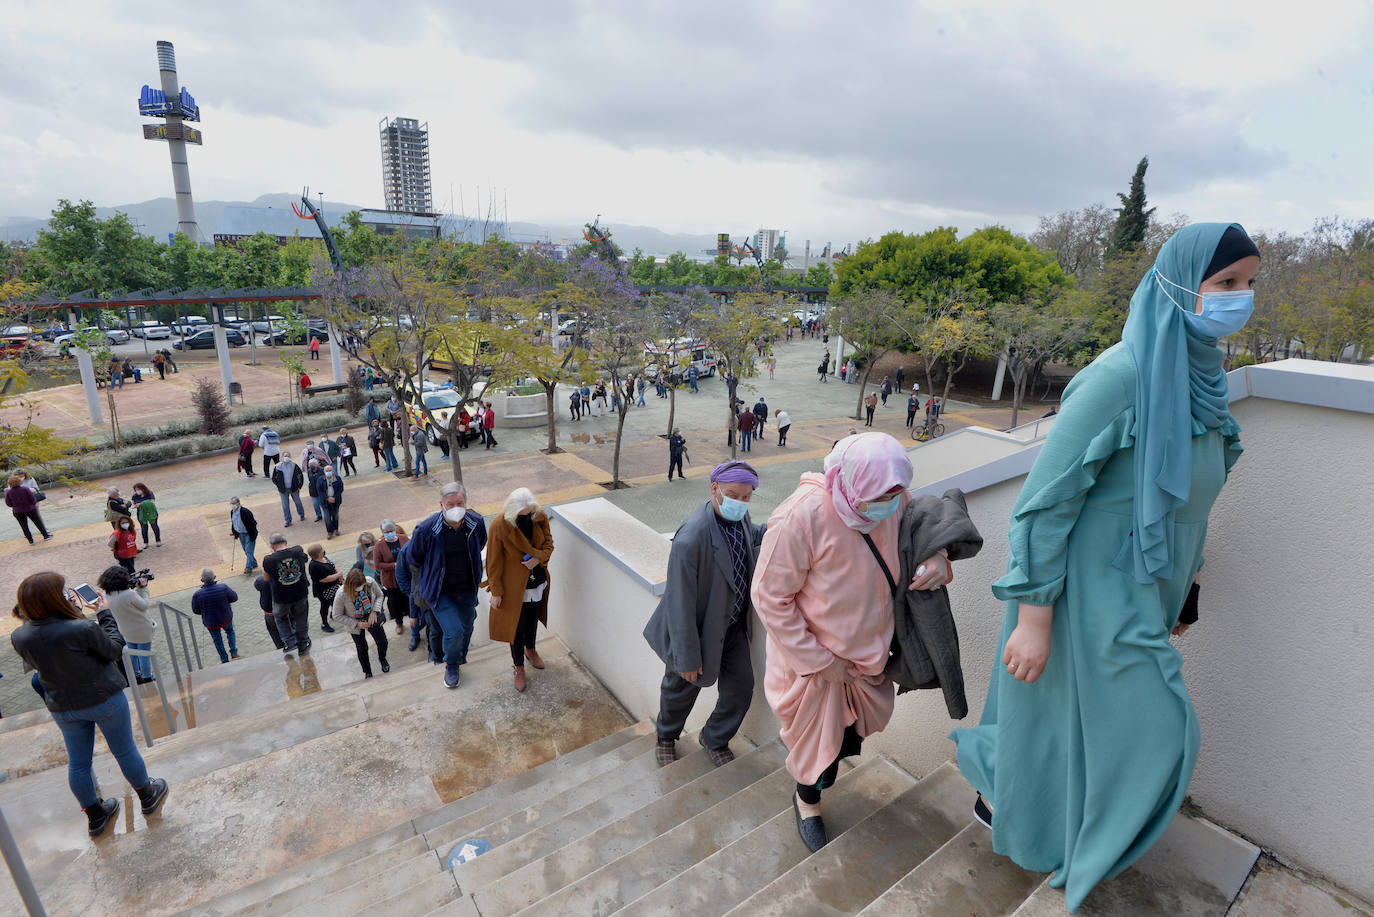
(518, 549)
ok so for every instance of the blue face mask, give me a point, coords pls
(1223, 312)
(731, 509)
(877, 512)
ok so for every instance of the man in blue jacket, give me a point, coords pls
(446, 551)
(211, 601)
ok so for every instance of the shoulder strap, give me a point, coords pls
(877, 555)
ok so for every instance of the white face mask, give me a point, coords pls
(455, 514)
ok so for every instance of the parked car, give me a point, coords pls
(268, 324)
(442, 402)
(151, 331)
(113, 335)
(205, 339)
(284, 337)
(190, 324)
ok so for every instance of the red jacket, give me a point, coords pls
(126, 543)
(489, 418)
(747, 420)
(305, 382)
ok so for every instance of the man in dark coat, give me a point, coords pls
(244, 527)
(701, 626)
(677, 450)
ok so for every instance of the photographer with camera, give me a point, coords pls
(77, 663)
(127, 595)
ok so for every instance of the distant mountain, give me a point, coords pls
(158, 217)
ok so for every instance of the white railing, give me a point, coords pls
(129, 656)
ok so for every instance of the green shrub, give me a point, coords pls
(1246, 358)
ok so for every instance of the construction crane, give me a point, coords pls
(744, 249)
(312, 212)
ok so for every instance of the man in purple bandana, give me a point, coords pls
(701, 626)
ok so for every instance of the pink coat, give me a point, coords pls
(820, 594)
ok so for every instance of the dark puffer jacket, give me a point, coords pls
(212, 602)
(76, 659)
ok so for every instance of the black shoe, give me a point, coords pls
(100, 816)
(326, 628)
(812, 830)
(386, 667)
(367, 674)
(287, 526)
(414, 643)
(147, 679)
(153, 795)
(982, 813)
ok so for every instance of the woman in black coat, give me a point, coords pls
(77, 663)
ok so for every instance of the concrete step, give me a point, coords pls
(728, 876)
(642, 870)
(964, 876)
(622, 792)
(444, 836)
(521, 789)
(370, 887)
(1195, 870)
(290, 890)
(889, 843)
(299, 883)
(420, 899)
(545, 877)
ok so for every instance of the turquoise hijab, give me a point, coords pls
(1167, 352)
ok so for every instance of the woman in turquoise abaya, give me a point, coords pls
(1088, 738)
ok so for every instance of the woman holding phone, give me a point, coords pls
(77, 664)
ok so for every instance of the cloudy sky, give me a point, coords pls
(836, 120)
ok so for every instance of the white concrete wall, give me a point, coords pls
(1281, 666)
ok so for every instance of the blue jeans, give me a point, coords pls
(421, 462)
(217, 638)
(389, 453)
(746, 439)
(142, 664)
(250, 562)
(318, 504)
(78, 732)
(286, 505)
(456, 615)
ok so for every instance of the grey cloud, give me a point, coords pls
(894, 105)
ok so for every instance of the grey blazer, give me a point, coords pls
(687, 630)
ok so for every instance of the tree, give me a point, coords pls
(23, 443)
(618, 327)
(868, 319)
(563, 359)
(730, 327)
(208, 399)
(79, 252)
(1132, 219)
(674, 317)
(1032, 334)
(1078, 239)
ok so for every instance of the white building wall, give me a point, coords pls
(1280, 667)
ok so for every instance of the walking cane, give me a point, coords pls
(233, 549)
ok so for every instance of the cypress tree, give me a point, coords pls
(1132, 219)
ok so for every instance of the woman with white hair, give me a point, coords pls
(518, 578)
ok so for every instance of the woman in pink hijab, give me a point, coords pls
(823, 588)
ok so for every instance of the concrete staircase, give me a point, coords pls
(602, 830)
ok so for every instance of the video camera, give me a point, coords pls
(144, 574)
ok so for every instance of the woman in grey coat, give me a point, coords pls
(129, 603)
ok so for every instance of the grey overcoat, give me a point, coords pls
(925, 643)
(687, 630)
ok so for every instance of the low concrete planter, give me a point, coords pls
(524, 411)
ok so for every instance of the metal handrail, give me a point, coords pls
(184, 622)
(1035, 424)
(138, 697)
(28, 892)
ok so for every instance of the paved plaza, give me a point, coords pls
(192, 495)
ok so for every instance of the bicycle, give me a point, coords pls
(927, 431)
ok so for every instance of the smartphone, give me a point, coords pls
(527, 557)
(88, 593)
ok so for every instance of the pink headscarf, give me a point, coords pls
(864, 467)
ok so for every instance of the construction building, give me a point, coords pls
(405, 165)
